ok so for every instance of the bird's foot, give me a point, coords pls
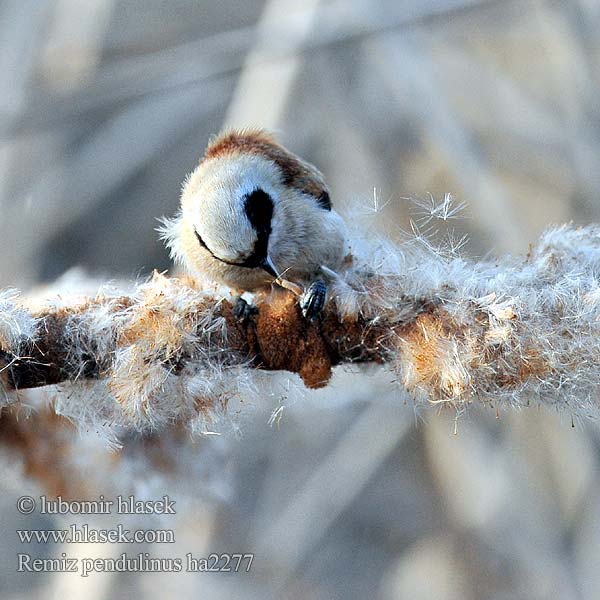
(313, 300)
(242, 310)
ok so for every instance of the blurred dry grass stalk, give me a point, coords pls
(454, 331)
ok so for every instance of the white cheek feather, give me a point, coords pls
(305, 236)
(170, 232)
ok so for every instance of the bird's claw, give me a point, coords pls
(243, 311)
(313, 301)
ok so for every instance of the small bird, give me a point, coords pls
(253, 214)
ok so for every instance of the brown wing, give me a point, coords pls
(296, 172)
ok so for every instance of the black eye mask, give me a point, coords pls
(259, 210)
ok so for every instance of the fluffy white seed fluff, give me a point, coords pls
(505, 333)
(510, 331)
(16, 323)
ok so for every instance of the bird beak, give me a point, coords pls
(268, 266)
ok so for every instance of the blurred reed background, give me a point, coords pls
(106, 105)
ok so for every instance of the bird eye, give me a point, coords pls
(259, 209)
